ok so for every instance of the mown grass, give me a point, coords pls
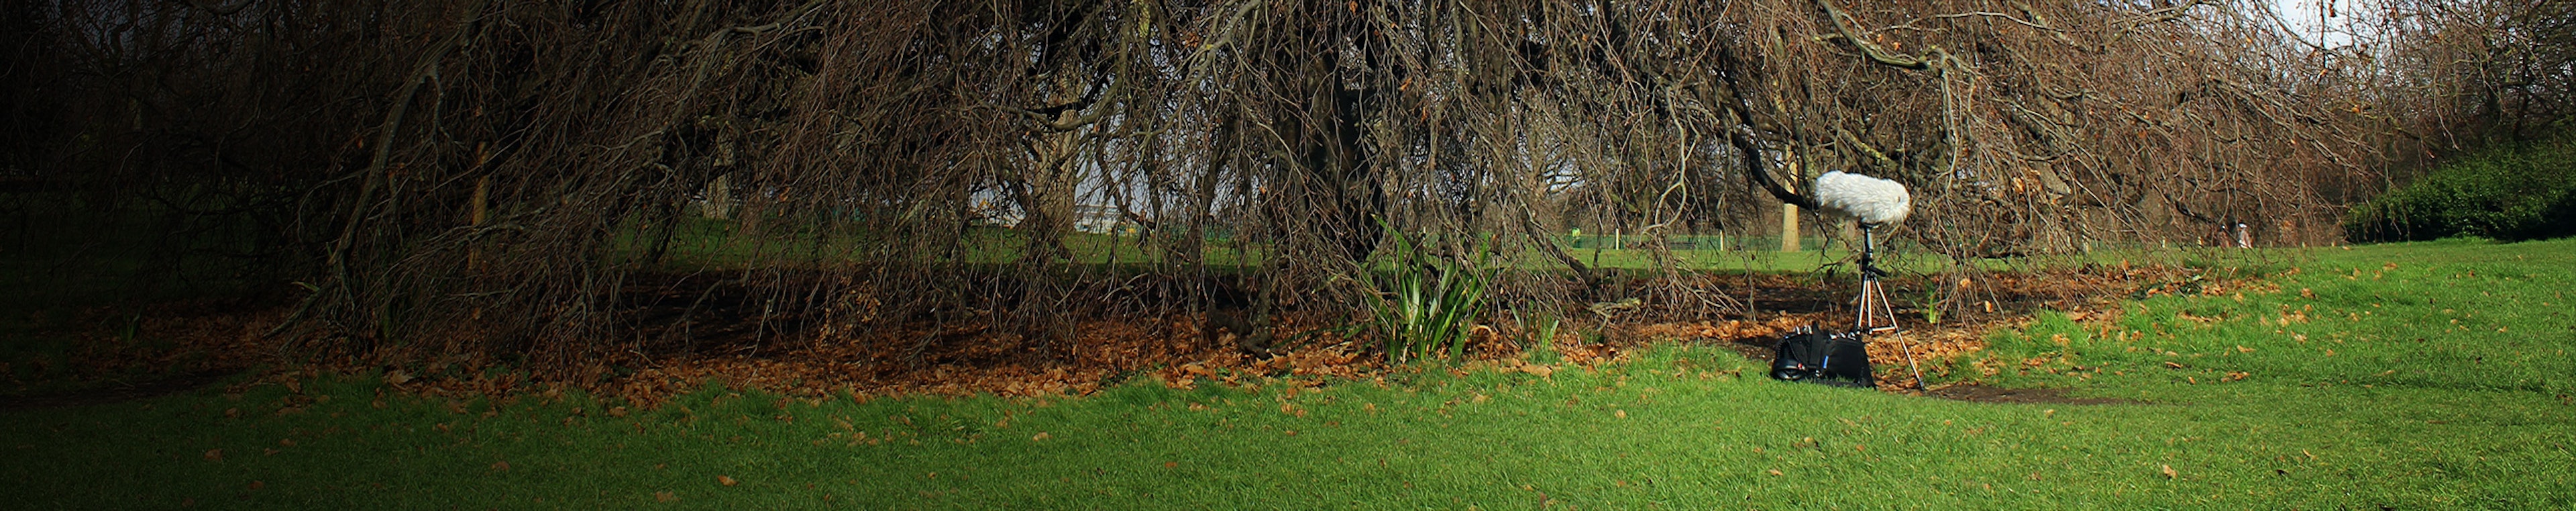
(2408, 411)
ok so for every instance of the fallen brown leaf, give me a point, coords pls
(664, 496)
(726, 480)
(2169, 471)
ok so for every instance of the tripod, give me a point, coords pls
(1874, 313)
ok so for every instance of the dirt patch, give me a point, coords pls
(1992, 301)
(119, 393)
(1988, 394)
(154, 350)
(1932, 346)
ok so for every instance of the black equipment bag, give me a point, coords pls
(1839, 359)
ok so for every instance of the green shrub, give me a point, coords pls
(1426, 304)
(2512, 193)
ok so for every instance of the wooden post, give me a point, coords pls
(1788, 227)
(482, 194)
(719, 201)
(480, 208)
(1789, 211)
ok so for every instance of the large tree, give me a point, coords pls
(509, 171)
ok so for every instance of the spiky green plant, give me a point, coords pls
(1426, 305)
(1542, 343)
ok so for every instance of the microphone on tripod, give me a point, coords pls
(1875, 202)
(1872, 200)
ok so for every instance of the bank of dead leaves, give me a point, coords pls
(126, 349)
(944, 359)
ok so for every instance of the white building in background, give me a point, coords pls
(1090, 218)
(1101, 219)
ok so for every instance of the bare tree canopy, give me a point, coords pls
(2445, 76)
(511, 172)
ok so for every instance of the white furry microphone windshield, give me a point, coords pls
(1872, 200)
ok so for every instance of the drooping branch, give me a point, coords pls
(1844, 30)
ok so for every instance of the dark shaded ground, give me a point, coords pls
(121, 392)
(773, 331)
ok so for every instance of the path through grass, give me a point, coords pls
(2344, 384)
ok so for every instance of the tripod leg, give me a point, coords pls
(1874, 313)
(1906, 344)
(1862, 318)
(1886, 317)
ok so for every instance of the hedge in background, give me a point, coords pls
(2512, 193)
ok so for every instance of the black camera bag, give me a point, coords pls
(1839, 359)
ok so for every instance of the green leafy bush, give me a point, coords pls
(2512, 193)
(1425, 305)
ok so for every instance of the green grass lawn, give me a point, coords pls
(2413, 376)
